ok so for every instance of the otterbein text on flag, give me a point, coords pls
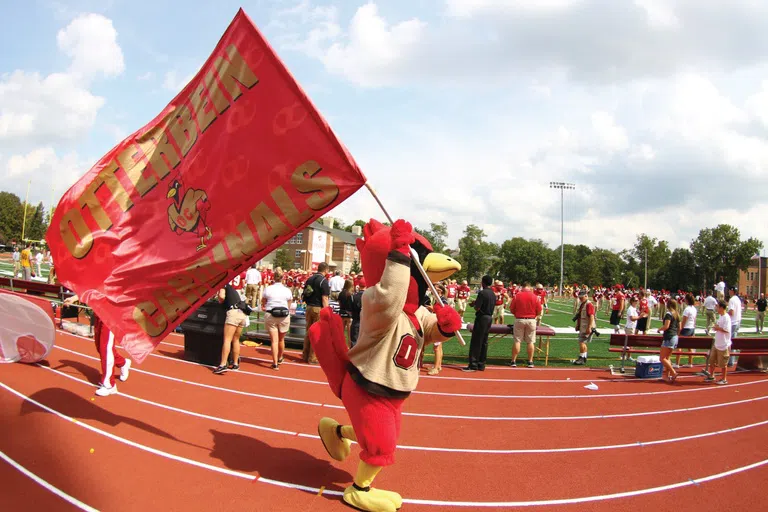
(236, 164)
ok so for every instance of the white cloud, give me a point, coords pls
(149, 75)
(50, 173)
(470, 7)
(613, 137)
(39, 110)
(43, 110)
(660, 13)
(175, 82)
(23, 164)
(90, 40)
(370, 40)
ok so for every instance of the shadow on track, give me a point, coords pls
(248, 454)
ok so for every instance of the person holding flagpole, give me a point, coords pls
(109, 356)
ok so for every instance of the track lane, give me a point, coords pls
(452, 431)
(195, 439)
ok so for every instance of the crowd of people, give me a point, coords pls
(28, 263)
(677, 313)
(278, 293)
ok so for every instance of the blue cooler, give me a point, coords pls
(648, 367)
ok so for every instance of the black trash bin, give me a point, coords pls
(204, 334)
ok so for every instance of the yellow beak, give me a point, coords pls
(171, 193)
(439, 266)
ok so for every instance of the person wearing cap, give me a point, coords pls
(617, 308)
(585, 323)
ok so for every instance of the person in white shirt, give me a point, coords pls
(720, 351)
(337, 284)
(276, 302)
(688, 325)
(734, 311)
(710, 303)
(39, 263)
(16, 262)
(252, 282)
(632, 317)
(51, 269)
(720, 289)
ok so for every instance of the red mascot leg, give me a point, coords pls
(376, 421)
(327, 339)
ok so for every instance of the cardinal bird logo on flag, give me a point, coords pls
(188, 211)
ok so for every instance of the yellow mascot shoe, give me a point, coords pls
(337, 447)
(393, 497)
(367, 499)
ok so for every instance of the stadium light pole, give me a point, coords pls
(561, 186)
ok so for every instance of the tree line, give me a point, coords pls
(12, 220)
(715, 252)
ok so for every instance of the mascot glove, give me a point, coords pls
(402, 237)
(448, 319)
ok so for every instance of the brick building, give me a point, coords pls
(753, 281)
(321, 242)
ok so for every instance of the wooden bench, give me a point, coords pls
(753, 352)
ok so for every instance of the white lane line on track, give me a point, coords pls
(227, 390)
(50, 487)
(637, 444)
(446, 416)
(442, 503)
(704, 387)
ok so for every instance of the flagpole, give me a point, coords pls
(24, 221)
(414, 256)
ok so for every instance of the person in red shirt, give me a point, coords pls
(526, 306)
(501, 298)
(617, 308)
(450, 292)
(462, 296)
(644, 311)
(238, 283)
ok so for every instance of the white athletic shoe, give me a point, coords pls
(105, 391)
(125, 370)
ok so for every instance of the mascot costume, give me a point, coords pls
(374, 378)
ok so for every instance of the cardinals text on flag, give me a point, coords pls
(236, 164)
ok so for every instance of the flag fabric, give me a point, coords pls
(234, 166)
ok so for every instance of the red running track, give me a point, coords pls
(179, 437)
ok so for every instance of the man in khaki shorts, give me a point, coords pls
(526, 307)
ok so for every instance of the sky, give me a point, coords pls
(457, 111)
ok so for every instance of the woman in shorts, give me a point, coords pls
(669, 342)
(276, 302)
(688, 325)
(345, 307)
(233, 327)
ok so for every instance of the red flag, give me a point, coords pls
(236, 164)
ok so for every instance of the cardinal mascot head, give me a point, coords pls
(375, 246)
